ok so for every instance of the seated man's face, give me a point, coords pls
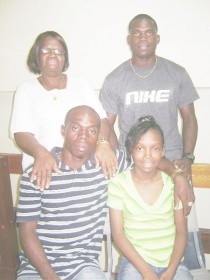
(81, 133)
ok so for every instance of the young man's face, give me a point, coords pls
(143, 38)
(81, 133)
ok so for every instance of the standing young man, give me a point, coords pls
(148, 84)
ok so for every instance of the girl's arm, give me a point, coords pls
(127, 249)
(179, 245)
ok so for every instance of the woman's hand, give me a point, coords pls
(106, 158)
(44, 165)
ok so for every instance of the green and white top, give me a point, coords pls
(150, 228)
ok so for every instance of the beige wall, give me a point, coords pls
(95, 31)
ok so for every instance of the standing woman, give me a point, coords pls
(40, 106)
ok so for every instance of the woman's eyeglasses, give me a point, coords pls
(52, 51)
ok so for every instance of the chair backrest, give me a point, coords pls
(108, 240)
(200, 179)
(201, 175)
(9, 261)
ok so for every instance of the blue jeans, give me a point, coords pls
(127, 272)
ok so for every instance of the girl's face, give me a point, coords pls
(148, 151)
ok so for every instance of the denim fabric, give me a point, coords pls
(127, 272)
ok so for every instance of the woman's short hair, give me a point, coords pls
(34, 53)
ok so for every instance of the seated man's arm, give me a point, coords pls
(183, 189)
(34, 251)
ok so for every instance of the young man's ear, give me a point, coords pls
(157, 39)
(128, 40)
(62, 130)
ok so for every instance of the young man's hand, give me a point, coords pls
(183, 191)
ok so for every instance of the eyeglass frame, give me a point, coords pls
(52, 51)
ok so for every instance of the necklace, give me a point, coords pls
(60, 87)
(150, 73)
(45, 86)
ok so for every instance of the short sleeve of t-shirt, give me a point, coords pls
(29, 205)
(188, 93)
(22, 118)
(115, 192)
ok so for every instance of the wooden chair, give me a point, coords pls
(11, 164)
(200, 179)
(9, 261)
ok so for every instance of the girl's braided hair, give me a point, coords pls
(143, 125)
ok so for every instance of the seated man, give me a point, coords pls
(61, 229)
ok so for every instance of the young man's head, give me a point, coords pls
(143, 38)
(80, 132)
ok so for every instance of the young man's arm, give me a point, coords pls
(34, 251)
(189, 136)
(113, 137)
(183, 189)
(105, 152)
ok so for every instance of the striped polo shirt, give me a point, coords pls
(70, 216)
